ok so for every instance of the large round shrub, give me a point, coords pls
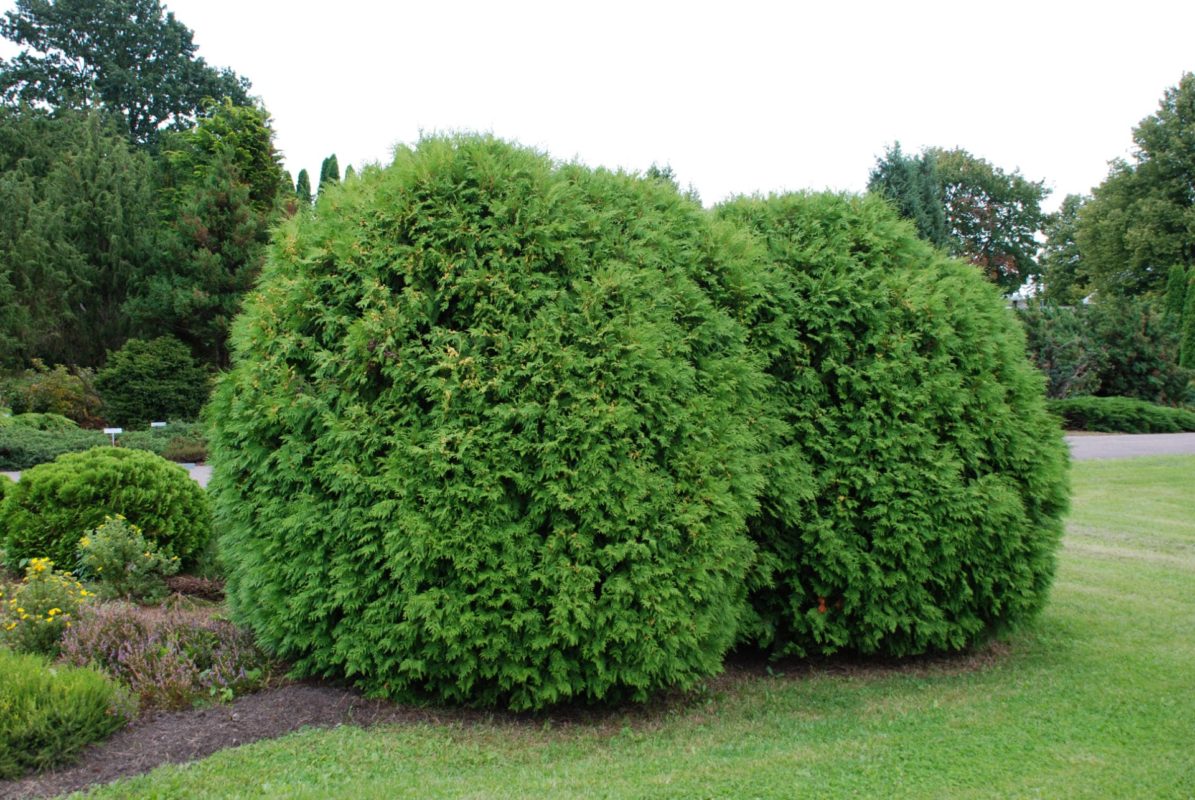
(53, 504)
(152, 380)
(486, 438)
(915, 503)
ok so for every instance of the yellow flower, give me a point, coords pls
(85, 542)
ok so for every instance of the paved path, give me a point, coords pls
(1128, 445)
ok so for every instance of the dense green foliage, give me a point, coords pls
(1141, 219)
(147, 381)
(915, 503)
(48, 713)
(1063, 279)
(912, 185)
(1186, 327)
(1121, 415)
(967, 206)
(129, 57)
(487, 438)
(52, 505)
(75, 237)
(1114, 348)
(222, 188)
(22, 446)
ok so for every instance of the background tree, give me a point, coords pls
(349, 173)
(329, 173)
(75, 235)
(303, 187)
(1187, 328)
(222, 183)
(1141, 220)
(975, 210)
(911, 184)
(129, 57)
(1063, 278)
(993, 216)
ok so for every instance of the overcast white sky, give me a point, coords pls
(737, 97)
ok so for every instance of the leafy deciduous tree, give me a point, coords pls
(1141, 220)
(130, 57)
(986, 216)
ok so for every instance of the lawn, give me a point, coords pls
(1095, 699)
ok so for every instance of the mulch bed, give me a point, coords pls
(181, 736)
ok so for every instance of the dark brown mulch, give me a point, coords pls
(181, 736)
(192, 586)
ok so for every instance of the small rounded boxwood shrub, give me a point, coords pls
(487, 439)
(152, 380)
(914, 504)
(49, 509)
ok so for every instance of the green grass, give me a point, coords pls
(1095, 699)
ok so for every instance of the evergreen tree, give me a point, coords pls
(329, 173)
(1187, 342)
(74, 237)
(222, 186)
(911, 184)
(1176, 295)
(303, 187)
(349, 173)
(1065, 281)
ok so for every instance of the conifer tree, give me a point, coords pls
(303, 187)
(329, 173)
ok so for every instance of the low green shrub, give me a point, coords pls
(49, 712)
(152, 380)
(178, 441)
(48, 510)
(40, 609)
(508, 454)
(41, 422)
(66, 391)
(915, 502)
(22, 447)
(170, 659)
(1121, 415)
(123, 563)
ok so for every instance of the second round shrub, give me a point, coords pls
(915, 502)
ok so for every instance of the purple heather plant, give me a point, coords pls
(171, 658)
